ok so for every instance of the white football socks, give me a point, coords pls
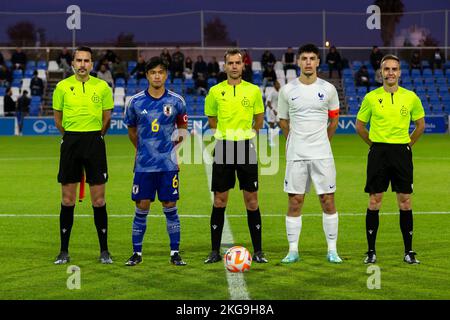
(293, 229)
(330, 228)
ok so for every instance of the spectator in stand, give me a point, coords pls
(362, 77)
(437, 60)
(177, 63)
(9, 104)
(110, 56)
(334, 61)
(375, 58)
(416, 61)
(188, 64)
(106, 75)
(5, 76)
(201, 84)
(19, 59)
(213, 68)
(2, 59)
(267, 59)
(165, 56)
(269, 76)
(36, 85)
(200, 66)
(23, 108)
(139, 69)
(119, 69)
(378, 78)
(289, 60)
(64, 60)
(247, 73)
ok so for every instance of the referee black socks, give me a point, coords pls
(101, 223)
(406, 226)
(372, 222)
(217, 221)
(65, 226)
(254, 225)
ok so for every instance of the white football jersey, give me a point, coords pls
(307, 107)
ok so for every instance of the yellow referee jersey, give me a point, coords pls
(234, 107)
(82, 103)
(390, 114)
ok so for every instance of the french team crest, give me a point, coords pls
(167, 109)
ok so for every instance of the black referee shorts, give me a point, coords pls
(389, 163)
(83, 150)
(231, 157)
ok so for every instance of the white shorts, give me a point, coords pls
(270, 116)
(299, 174)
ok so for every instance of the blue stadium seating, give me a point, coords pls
(438, 73)
(213, 81)
(31, 64)
(120, 83)
(17, 74)
(2, 91)
(16, 83)
(415, 73)
(42, 64)
(34, 110)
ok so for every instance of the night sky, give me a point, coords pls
(249, 30)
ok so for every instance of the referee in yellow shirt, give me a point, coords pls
(82, 109)
(390, 109)
(232, 106)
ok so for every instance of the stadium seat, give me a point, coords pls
(426, 65)
(132, 82)
(2, 92)
(361, 90)
(420, 90)
(42, 64)
(28, 73)
(441, 82)
(429, 82)
(34, 110)
(31, 64)
(120, 83)
(415, 73)
(280, 73)
(53, 66)
(211, 82)
(438, 73)
(189, 84)
(16, 83)
(256, 66)
(131, 89)
(36, 99)
(119, 100)
(42, 74)
(221, 64)
(418, 80)
(120, 91)
(278, 66)
(178, 81)
(17, 74)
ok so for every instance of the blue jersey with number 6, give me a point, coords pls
(156, 121)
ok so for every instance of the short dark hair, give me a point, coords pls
(309, 48)
(390, 57)
(154, 62)
(232, 52)
(82, 48)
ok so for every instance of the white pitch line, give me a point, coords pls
(204, 216)
(236, 282)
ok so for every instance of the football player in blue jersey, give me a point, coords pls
(157, 122)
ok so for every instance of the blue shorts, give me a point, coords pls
(146, 184)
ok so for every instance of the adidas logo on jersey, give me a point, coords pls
(144, 111)
(175, 192)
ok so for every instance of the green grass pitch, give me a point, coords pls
(29, 236)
